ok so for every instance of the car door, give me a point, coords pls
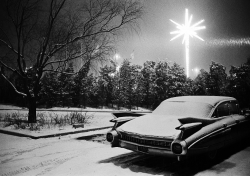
(240, 129)
(233, 123)
(222, 113)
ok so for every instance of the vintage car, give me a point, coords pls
(181, 127)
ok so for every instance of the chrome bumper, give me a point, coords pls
(150, 150)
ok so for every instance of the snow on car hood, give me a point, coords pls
(153, 125)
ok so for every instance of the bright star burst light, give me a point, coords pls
(187, 30)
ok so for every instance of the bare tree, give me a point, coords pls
(40, 36)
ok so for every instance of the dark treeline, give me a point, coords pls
(133, 86)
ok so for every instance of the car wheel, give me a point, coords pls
(212, 154)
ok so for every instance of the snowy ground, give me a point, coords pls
(99, 118)
(90, 155)
(74, 155)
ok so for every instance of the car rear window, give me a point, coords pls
(183, 109)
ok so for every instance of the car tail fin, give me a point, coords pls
(205, 121)
(125, 114)
(187, 126)
(122, 119)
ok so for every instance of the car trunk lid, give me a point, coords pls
(153, 126)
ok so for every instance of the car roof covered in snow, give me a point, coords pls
(212, 100)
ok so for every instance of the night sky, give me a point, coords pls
(227, 33)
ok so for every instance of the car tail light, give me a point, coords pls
(109, 137)
(113, 138)
(177, 148)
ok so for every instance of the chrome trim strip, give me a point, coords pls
(148, 146)
(151, 150)
(148, 142)
(149, 137)
(209, 134)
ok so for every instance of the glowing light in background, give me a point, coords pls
(118, 68)
(196, 71)
(117, 56)
(116, 59)
(132, 55)
(187, 30)
(229, 42)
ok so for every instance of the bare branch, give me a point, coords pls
(10, 47)
(20, 93)
(65, 60)
(51, 25)
(40, 32)
(9, 68)
(67, 73)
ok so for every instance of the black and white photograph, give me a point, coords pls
(124, 87)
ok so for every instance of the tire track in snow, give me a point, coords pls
(13, 154)
(47, 163)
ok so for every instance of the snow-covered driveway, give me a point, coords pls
(65, 156)
(71, 155)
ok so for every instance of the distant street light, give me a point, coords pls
(117, 56)
(196, 71)
(187, 30)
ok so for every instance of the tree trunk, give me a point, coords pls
(32, 110)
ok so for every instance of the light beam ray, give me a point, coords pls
(190, 20)
(175, 32)
(177, 24)
(187, 30)
(195, 35)
(196, 24)
(199, 27)
(176, 36)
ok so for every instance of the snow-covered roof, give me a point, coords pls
(212, 100)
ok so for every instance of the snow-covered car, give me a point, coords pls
(181, 127)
